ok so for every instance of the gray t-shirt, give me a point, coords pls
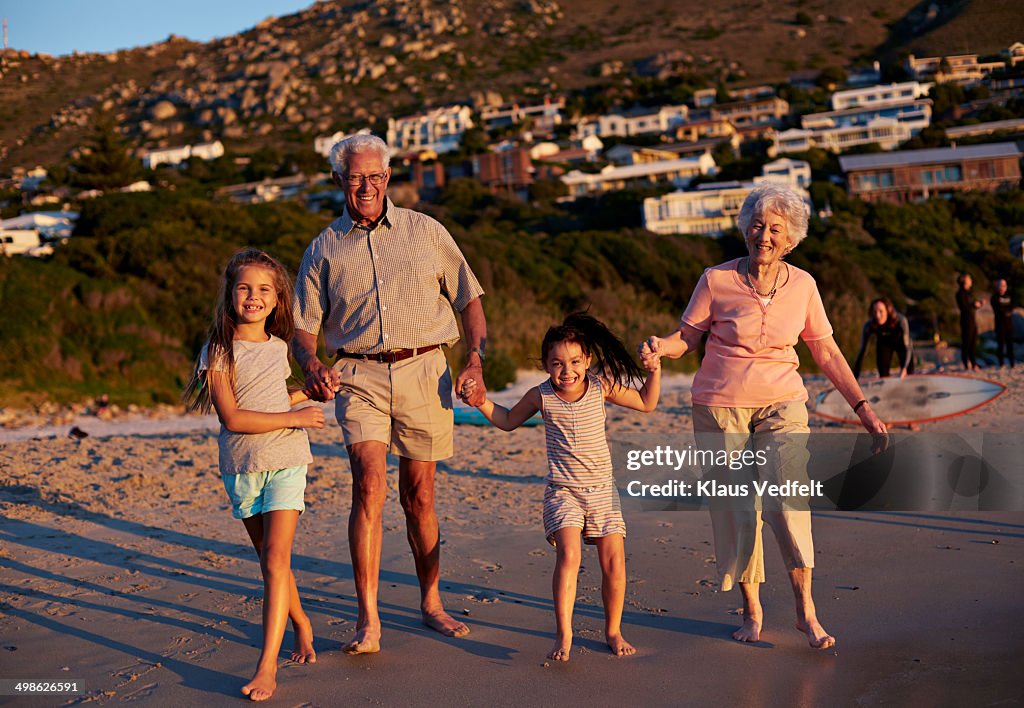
(261, 373)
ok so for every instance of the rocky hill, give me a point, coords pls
(339, 65)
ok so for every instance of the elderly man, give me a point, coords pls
(381, 282)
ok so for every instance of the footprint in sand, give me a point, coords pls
(487, 565)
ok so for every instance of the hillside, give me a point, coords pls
(337, 65)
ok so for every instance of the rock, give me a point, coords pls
(162, 110)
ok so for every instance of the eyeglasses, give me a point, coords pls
(376, 179)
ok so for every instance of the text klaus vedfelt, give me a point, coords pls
(668, 456)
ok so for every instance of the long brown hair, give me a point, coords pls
(220, 342)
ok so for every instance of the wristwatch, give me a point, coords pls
(478, 351)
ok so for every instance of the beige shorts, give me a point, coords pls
(407, 405)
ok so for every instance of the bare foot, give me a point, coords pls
(367, 641)
(750, 631)
(560, 651)
(261, 687)
(444, 623)
(303, 652)
(619, 646)
(817, 637)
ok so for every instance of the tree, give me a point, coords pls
(105, 161)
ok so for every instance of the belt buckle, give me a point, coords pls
(389, 357)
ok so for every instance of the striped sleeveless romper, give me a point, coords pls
(581, 490)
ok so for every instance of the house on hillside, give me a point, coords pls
(711, 209)
(868, 96)
(178, 155)
(760, 111)
(963, 69)
(439, 130)
(543, 117)
(677, 172)
(912, 175)
(15, 242)
(638, 121)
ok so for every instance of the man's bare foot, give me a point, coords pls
(750, 631)
(817, 637)
(444, 623)
(262, 686)
(619, 646)
(367, 641)
(560, 651)
(303, 652)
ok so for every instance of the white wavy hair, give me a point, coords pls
(781, 200)
(343, 150)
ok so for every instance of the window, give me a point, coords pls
(953, 173)
(926, 176)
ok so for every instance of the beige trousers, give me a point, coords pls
(781, 431)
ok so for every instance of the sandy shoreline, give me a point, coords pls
(120, 566)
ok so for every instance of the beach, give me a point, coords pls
(122, 569)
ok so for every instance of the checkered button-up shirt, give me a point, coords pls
(392, 287)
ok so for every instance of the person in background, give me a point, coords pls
(967, 305)
(892, 336)
(1002, 306)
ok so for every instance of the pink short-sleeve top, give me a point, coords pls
(749, 359)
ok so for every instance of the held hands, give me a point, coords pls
(470, 386)
(650, 353)
(322, 382)
(467, 393)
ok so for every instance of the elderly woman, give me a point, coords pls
(754, 309)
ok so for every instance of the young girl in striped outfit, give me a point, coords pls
(587, 365)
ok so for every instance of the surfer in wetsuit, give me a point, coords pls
(968, 324)
(1002, 306)
(892, 336)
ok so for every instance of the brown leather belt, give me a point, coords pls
(389, 357)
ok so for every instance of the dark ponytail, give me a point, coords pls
(611, 358)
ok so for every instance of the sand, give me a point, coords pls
(121, 567)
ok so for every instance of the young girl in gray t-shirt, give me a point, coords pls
(242, 372)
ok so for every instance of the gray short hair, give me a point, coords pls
(782, 200)
(343, 150)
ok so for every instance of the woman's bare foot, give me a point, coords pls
(303, 652)
(619, 646)
(560, 651)
(817, 637)
(366, 641)
(441, 621)
(262, 686)
(750, 631)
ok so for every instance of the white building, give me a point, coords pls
(439, 130)
(711, 209)
(642, 121)
(50, 225)
(875, 95)
(611, 178)
(887, 133)
(543, 117)
(177, 155)
(917, 114)
(15, 242)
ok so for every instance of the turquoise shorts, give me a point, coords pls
(259, 492)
